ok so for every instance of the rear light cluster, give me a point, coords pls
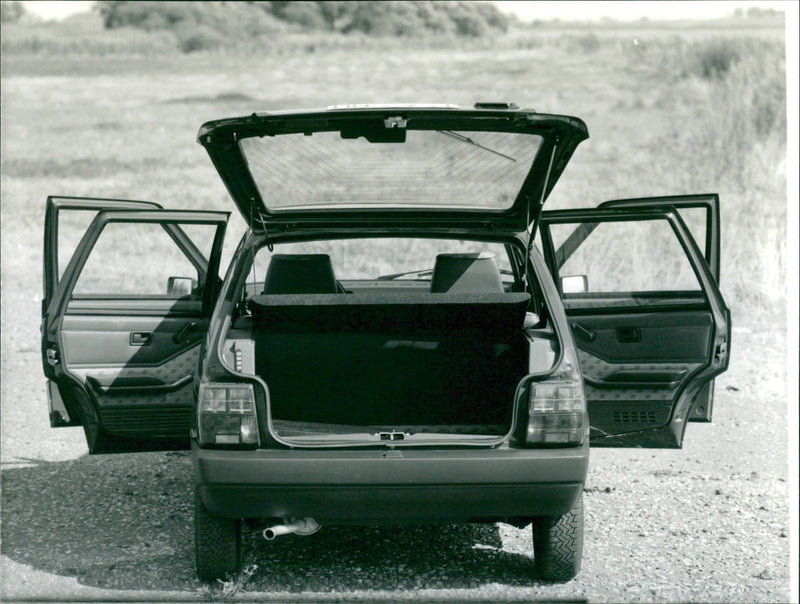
(557, 410)
(226, 415)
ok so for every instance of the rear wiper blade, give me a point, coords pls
(427, 273)
(469, 141)
(422, 273)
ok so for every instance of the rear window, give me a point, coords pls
(432, 168)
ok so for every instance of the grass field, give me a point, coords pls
(669, 112)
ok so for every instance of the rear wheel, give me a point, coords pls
(217, 543)
(558, 544)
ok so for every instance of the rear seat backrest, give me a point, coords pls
(300, 274)
(474, 273)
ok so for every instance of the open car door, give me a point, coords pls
(650, 324)
(701, 215)
(122, 323)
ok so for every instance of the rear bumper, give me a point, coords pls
(391, 487)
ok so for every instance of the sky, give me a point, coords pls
(55, 9)
(583, 10)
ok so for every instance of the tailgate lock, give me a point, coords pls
(392, 435)
(395, 122)
(719, 353)
(52, 356)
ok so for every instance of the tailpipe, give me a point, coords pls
(300, 526)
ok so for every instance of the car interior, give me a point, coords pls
(446, 357)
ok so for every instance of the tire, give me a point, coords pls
(217, 543)
(558, 544)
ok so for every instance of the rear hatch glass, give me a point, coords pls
(432, 168)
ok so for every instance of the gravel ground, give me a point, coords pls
(706, 523)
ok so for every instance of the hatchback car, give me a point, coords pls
(402, 335)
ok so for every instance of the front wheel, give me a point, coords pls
(558, 544)
(217, 543)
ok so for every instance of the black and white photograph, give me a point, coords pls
(399, 300)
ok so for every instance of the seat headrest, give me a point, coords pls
(474, 273)
(300, 274)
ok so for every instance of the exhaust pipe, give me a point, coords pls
(301, 526)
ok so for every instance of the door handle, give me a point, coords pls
(629, 334)
(184, 335)
(140, 338)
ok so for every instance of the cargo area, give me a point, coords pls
(407, 363)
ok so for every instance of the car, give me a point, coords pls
(402, 336)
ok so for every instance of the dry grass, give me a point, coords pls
(122, 125)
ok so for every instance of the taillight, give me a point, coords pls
(226, 415)
(557, 410)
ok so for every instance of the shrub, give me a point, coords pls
(383, 18)
(308, 15)
(434, 19)
(332, 12)
(739, 150)
(196, 25)
(585, 43)
(198, 39)
(714, 59)
(11, 12)
(748, 90)
(469, 21)
(238, 21)
(493, 17)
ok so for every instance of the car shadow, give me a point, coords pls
(343, 559)
(115, 521)
(126, 522)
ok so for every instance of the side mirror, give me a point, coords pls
(574, 284)
(181, 286)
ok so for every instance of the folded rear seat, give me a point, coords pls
(390, 313)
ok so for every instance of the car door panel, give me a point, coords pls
(645, 355)
(108, 340)
(646, 374)
(144, 400)
(140, 389)
(682, 337)
(123, 363)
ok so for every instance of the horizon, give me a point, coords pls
(618, 10)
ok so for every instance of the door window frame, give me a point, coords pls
(596, 215)
(170, 220)
(51, 229)
(705, 201)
